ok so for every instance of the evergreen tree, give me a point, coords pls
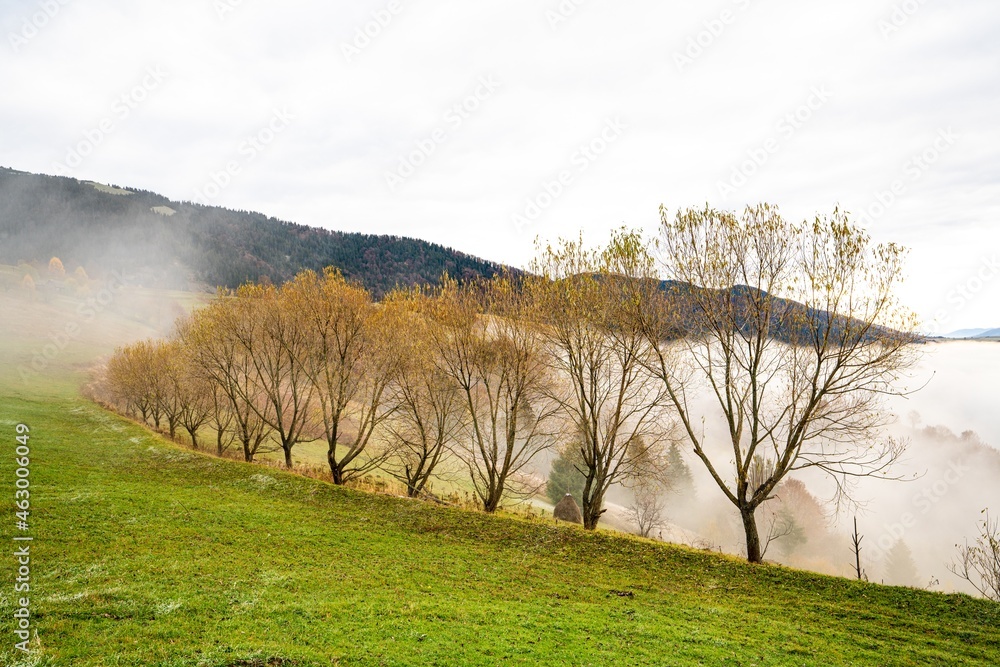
(565, 476)
(794, 536)
(679, 479)
(900, 568)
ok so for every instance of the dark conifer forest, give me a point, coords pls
(156, 241)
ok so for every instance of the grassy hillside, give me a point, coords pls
(147, 554)
(150, 555)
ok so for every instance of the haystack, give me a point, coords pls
(567, 510)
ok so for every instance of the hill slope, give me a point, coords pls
(146, 554)
(170, 244)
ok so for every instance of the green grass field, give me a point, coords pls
(148, 554)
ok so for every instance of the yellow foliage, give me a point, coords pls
(56, 268)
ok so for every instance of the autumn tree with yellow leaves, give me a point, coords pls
(795, 333)
(584, 313)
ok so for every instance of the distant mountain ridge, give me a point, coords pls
(973, 333)
(788, 321)
(155, 240)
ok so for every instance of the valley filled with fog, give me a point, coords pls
(948, 475)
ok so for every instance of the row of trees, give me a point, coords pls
(791, 331)
(402, 385)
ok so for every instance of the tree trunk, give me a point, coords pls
(218, 441)
(414, 483)
(287, 448)
(591, 506)
(753, 537)
(491, 499)
(491, 504)
(194, 437)
(416, 479)
(336, 469)
(592, 514)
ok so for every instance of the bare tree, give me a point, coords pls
(585, 300)
(189, 389)
(979, 563)
(778, 526)
(647, 510)
(276, 341)
(167, 374)
(799, 383)
(219, 352)
(353, 364)
(856, 550)
(129, 380)
(210, 405)
(142, 378)
(502, 374)
(197, 402)
(221, 418)
(158, 379)
(431, 411)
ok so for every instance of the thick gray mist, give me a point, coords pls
(950, 473)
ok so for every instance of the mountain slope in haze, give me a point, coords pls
(974, 333)
(156, 241)
(755, 312)
(965, 333)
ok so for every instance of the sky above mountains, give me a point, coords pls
(483, 125)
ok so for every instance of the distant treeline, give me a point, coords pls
(166, 243)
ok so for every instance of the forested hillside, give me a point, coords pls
(158, 241)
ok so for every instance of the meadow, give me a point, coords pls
(147, 553)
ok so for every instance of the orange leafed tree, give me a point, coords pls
(56, 268)
(351, 362)
(430, 417)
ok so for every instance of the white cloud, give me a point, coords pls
(688, 128)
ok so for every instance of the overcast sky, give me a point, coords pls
(481, 125)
